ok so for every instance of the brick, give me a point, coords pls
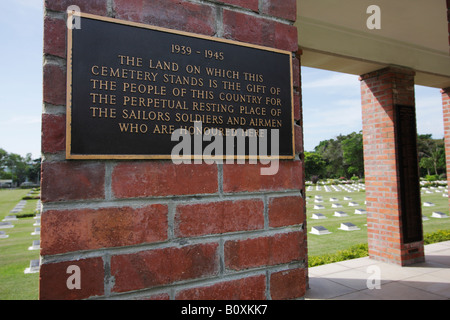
(157, 297)
(173, 14)
(297, 107)
(380, 91)
(65, 181)
(247, 4)
(296, 73)
(54, 91)
(247, 177)
(286, 9)
(54, 276)
(256, 30)
(298, 139)
(99, 7)
(53, 133)
(55, 37)
(289, 284)
(219, 217)
(157, 267)
(264, 251)
(286, 211)
(88, 229)
(147, 179)
(251, 288)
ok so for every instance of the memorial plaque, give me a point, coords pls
(137, 91)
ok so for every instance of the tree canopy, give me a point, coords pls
(19, 169)
(343, 156)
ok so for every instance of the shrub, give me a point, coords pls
(362, 250)
(438, 236)
(356, 251)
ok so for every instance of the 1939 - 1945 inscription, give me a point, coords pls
(131, 86)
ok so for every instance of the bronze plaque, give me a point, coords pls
(132, 86)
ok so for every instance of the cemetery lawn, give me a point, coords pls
(14, 254)
(342, 240)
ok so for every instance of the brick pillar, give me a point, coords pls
(156, 230)
(446, 112)
(394, 236)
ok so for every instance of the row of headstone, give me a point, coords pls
(38, 206)
(338, 205)
(36, 245)
(338, 214)
(345, 226)
(19, 207)
(342, 187)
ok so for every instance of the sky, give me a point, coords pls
(332, 106)
(331, 101)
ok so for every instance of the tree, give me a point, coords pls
(314, 165)
(344, 155)
(18, 168)
(431, 154)
(353, 154)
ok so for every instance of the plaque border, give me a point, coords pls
(70, 156)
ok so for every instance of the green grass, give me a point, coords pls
(338, 239)
(343, 240)
(14, 254)
(337, 246)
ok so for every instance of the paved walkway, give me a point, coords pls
(349, 280)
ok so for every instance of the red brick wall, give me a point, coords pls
(380, 91)
(155, 230)
(446, 113)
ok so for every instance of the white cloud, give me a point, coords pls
(332, 81)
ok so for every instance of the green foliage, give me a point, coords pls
(18, 168)
(314, 165)
(334, 158)
(431, 154)
(438, 236)
(356, 251)
(344, 157)
(362, 250)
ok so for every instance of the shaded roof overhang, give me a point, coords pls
(414, 34)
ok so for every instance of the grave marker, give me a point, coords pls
(318, 216)
(34, 267)
(6, 225)
(10, 218)
(36, 245)
(340, 214)
(348, 226)
(439, 215)
(319, 230)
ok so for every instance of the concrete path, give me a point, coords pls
(367, 279)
